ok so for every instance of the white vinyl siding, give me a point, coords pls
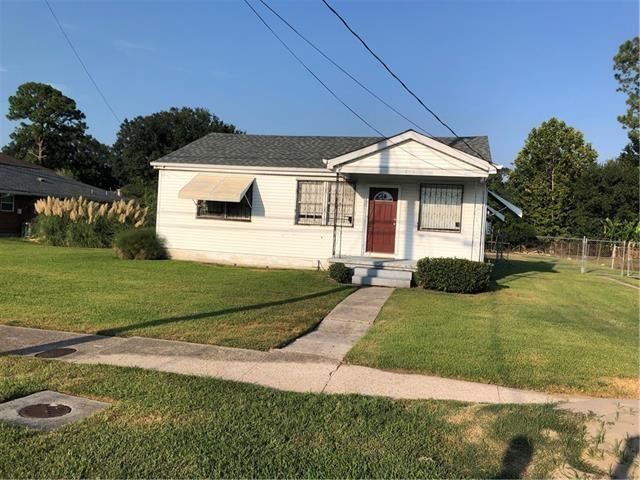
(318, 202)
(441, 207)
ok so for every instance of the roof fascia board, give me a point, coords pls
(427, 172)
(199, 167)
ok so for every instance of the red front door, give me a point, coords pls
(381, 225)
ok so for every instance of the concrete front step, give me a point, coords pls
(382, 273)
(380, 281)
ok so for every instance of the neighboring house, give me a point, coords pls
(304, 201)
(22, 183)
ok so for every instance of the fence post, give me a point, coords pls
(583, 265)
(624, 245)
(613, 256)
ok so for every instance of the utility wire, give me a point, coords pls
(310, 71)
(75, 52)
(404, 85)
(317, 49)
(384, 137)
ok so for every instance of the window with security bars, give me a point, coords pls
(240, 211)
(441, 207)
(319, 202)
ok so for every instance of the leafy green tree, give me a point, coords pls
(52, 133)
(626, 66)
(555, 156)
(92, 163)
(147, 138)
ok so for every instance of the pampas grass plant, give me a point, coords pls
(83, 223)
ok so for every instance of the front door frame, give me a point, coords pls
(365, 223)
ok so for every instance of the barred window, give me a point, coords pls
(6, 202)
(318, 202)
(440, 207)
(226, 210)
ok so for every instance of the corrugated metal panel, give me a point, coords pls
(216, 188)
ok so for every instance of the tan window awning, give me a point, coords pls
(216, 188)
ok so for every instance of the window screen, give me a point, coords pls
(318, 202)
(440, 207)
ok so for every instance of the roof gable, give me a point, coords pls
(410, 153)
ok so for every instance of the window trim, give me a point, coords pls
(325, 219)
(248, 196)
(444, 230)
(13, 202)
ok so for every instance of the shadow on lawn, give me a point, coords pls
(70, 342)
(519, 269)
(217, 313)
(517, 457)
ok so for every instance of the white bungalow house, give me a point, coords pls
(376, 204)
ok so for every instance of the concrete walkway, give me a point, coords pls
(615, 419)
(344, 326)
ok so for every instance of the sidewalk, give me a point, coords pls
(300, 372)
(279, 369)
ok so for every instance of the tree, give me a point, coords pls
(555, 156)
(52, 133)
(626, 65)
(147, 138)
(92, 163)
(50, 124)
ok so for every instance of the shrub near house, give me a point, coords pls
(139, 244)
(453, 275)
(81, 223)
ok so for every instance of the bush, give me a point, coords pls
(77, 222)
(453, 275)
(139, 244)
(340, 272)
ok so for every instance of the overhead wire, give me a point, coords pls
(84, 66)
(394, 75)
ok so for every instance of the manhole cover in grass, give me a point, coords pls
(44, 410)
(56, 352)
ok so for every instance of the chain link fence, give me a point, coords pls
(590, 255)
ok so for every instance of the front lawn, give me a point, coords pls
(164, 425)
(543, 327)
(91, 291)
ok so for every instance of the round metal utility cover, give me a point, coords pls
(56, 352)
(44, 410)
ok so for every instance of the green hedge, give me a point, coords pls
(340, 272)
(139, 244)
(453, 275)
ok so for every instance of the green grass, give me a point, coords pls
(90, 290)
(544, 327)
(164, 425)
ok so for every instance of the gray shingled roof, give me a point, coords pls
(290, 151)
(22, 178)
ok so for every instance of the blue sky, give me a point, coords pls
(487, 67)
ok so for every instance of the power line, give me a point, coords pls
(75, 52)
(310, 71)
(317, 49)
(404, 85)
(382, 135)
